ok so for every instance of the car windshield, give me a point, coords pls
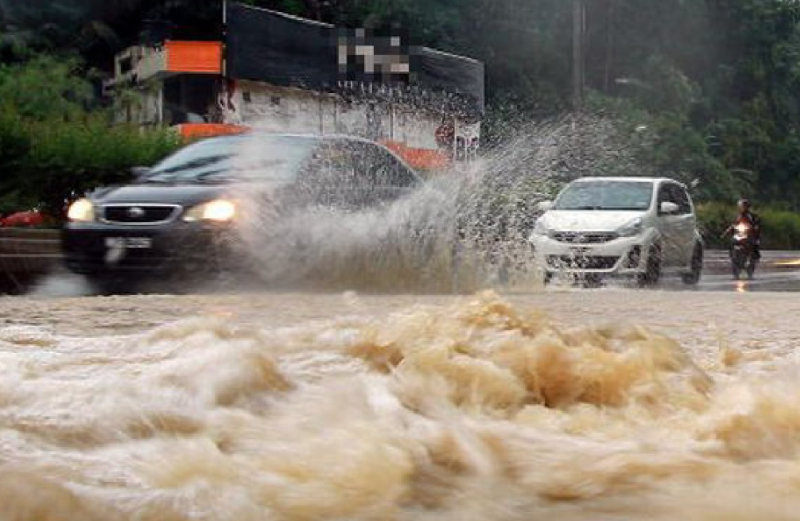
(606, 195)
(250, 158)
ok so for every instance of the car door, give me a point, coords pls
(326, 179)
(685, 226)
(336, 176)
(393, 179)
(380, 176)
(669, 225)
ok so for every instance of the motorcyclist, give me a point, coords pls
(747, 217)
(751, 219)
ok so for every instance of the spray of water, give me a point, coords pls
(60, 283)
(464, 229)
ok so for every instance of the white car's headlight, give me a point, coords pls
(81, 210)
(631, 229)
(219, 210)
(540, 229)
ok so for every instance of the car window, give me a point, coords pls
(201, 158)
(251, 158)
(670, 192)
(388, 170)
(665, 194)
(682, 199)
(356, 173)
(606, 195)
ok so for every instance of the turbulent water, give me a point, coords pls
(473, 411)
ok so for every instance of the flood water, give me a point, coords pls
(558, 405)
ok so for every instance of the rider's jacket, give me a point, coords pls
(753, 221)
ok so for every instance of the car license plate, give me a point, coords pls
(580, 251)
(129, 243)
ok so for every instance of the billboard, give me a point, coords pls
(264, 45)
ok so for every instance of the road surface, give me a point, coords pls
(778, 271)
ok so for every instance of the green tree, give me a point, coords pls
(52, 147)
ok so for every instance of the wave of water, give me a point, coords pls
(470, 412)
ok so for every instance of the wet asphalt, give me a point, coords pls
(778, 271)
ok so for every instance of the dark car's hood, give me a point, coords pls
(182, 194)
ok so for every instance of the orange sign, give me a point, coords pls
(194, 57)
(190, 131)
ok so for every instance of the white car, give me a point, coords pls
(611, 226)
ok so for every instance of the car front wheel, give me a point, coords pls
(693, 277)
(652, 273)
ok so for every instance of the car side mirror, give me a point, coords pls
(668, 208)
(544, 206)
(140, 171)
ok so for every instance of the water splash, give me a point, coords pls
(464, 229)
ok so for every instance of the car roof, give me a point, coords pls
(317, 137)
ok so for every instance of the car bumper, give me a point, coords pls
(97, 248)
(624, 256)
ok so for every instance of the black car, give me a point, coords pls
(179, 215)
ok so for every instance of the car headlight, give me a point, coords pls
(221, 211)
(631, 229)
(540, 229)
(81, 210)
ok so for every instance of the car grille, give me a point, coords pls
(582, 262)
(139, 214)
(584, 238)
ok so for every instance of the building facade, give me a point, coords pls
(280, 73)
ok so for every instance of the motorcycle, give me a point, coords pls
(743, 251)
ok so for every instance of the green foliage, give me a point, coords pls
(781, 229)
(44, 88)
(52, 149)
(55, 161)
(713, 219)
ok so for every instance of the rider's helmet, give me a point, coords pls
(744, 205)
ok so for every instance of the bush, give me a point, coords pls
(53, 161)
(55, 144)
(780, 227)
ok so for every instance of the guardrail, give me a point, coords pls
(25, 255)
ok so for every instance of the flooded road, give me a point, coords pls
(607, 404)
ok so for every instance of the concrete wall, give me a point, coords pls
(292, 110)
(280, 109)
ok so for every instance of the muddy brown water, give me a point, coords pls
(609, 404)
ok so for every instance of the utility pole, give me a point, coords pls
(578, 59)
(610, 43)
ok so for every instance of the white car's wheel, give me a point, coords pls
(694, 276)
(652, 273)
